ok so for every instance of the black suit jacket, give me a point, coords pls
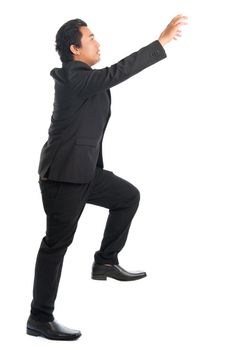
(81, 112)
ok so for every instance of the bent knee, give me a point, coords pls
(135, 195)
(138, 195)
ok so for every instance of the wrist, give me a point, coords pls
(162, 41)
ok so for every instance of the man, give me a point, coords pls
(71, 167)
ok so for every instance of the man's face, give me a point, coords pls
(89, 50)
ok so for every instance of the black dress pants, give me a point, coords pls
(63, 203)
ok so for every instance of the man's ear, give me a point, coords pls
(75, 49)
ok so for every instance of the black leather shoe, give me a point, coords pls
(101, 272)
(51, 330)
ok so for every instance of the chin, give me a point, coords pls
(99, 59)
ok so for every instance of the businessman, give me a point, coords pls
(71, 169)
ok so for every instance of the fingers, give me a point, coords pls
(178, 34)
(179, 20)
(179, 17)
(181, 23)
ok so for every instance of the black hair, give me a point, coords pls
(68, 34)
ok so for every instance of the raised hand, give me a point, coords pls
(172, 30)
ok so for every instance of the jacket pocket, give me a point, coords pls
(87, 141)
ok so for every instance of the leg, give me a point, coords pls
(63, 204)
(122, 200)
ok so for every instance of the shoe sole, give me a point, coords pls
(99, 277)
(104, 278)
(35, 333)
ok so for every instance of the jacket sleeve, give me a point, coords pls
(88, 82)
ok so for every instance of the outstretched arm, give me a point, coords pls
(87, 82)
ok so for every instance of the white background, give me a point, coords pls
(170, 134)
